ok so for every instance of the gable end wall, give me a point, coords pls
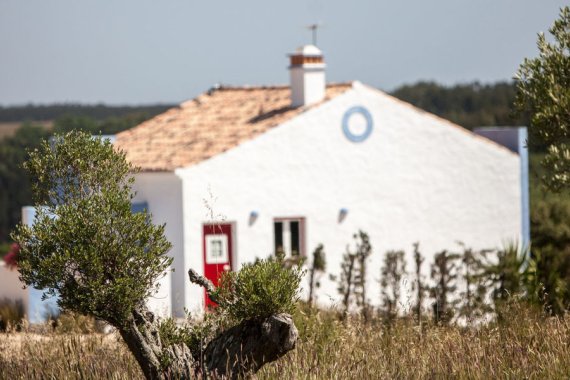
(416, 178)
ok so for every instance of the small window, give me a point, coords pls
(217, 249)
(289, 236)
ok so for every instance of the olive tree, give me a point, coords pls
(101, 259)
(544, 91)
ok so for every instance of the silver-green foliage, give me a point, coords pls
(259, 290)
(85, 244)
(544, 91)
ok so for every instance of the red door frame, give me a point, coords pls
(213, 271)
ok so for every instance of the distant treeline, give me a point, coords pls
(33, 112)
(14, 183)
(469, 105)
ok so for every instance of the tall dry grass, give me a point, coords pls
(67, 356)
(526, 344)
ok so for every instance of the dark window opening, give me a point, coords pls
(295, 241)
(289, 236)
(279, 237)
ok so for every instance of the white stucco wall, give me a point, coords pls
(36, 309)
(163, 193)
(416, 178)
(11, 287)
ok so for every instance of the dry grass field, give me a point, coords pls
(8, 129)
(526, 345)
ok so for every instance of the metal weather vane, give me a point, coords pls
(314, 29)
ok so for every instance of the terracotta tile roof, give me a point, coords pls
(210, 124)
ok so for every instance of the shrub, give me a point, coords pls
(171, 334)
(194, 334)
(259, 290)
(352, 282)
(4, 249)
(550, 264)
(444, 273)
(392, 272)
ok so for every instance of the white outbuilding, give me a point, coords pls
(239, 172)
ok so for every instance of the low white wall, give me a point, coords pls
(163, 193)
(11, 287)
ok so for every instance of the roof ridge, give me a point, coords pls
(211, 123)
(225, 87)
(246, 87)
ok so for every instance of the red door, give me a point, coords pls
(218, 249)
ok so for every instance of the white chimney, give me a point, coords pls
(307, 76)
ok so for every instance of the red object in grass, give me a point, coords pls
(11, 258)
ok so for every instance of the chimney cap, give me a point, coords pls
(308, 50)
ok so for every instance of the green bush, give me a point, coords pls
(171, 334)
(259, 290)
(550, 264)
(195, 334)
(4, 249)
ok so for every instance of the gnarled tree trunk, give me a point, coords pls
(235, 352)
(156, 361)
(245, 348)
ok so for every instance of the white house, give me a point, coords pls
(239, 171)
(12, 289)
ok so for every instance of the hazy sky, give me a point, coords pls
(147, 51)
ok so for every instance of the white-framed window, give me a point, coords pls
(289, 236)
(217, 249)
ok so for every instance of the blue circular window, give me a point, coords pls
(350, 134)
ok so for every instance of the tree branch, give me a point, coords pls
(245, 348)
(197, 279)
